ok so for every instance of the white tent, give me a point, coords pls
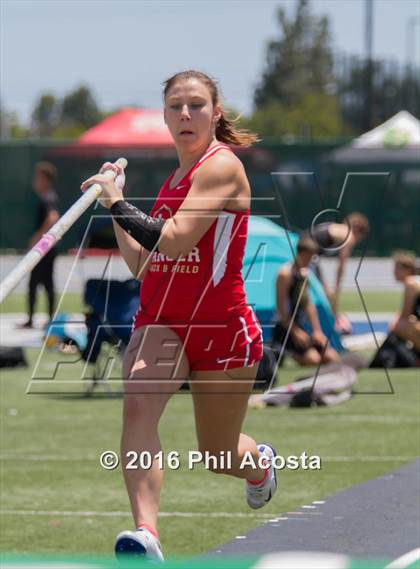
(401, 130)
(396, 140)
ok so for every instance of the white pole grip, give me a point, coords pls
(53, 235)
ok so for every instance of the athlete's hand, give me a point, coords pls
(301, 338)
(120, 178)
(318, 338)
(112, 189)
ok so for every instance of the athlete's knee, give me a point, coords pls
(311, 357)
(331, 356)
(141, 407)
(403, 327)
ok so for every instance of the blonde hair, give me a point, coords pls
(359, 222)
(226, 129)
(406, 260)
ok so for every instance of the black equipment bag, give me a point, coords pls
(12, 357)
(266, 369)
(395, 353)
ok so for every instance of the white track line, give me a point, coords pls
(49, 457)
(95, 458)
(388, 419)
(368, 458)
(82, 514)
(405, 560)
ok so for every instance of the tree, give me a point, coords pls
(4, 127)
(393, 88)
(65, 118)
(79, 109)
(16, 129)
(299, 62)
(296, 92)
(316, 116)
(45, 115)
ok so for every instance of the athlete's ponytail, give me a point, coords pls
(226, 129)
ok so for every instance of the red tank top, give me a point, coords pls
(206, 285)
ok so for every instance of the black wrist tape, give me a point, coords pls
(144, 229)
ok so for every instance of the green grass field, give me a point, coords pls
(376, 301)
(53, 485)
(50, 462)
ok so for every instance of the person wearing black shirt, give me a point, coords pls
(295, 309)
(46, 215)
(406, 323)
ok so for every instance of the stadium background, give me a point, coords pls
(391, 203)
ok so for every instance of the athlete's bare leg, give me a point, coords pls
(220, 403)
(330, 356)
(408, 329)
(309, 358)
(153, 372)
(313, 358)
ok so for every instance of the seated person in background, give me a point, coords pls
(339, 239)
(406, 324)
(294, 307)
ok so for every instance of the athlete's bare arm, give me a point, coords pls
(406, 325)
(318, 336)
(412, 289)
(136, 257)
(284, 279)
(343, 255)
(284, 282)
(312, 315)
(217, 181)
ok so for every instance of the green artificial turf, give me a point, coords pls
(50, 448)
(69, 302)
(350, 301)
(375, 301)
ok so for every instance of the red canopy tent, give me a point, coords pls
(136, 133)
(129, 127)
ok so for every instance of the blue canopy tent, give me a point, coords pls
(268, 247)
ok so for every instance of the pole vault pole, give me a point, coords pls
(49, 239)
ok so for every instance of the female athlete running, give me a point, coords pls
(193, 322)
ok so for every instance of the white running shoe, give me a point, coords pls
(139, 543)
(259, 495)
